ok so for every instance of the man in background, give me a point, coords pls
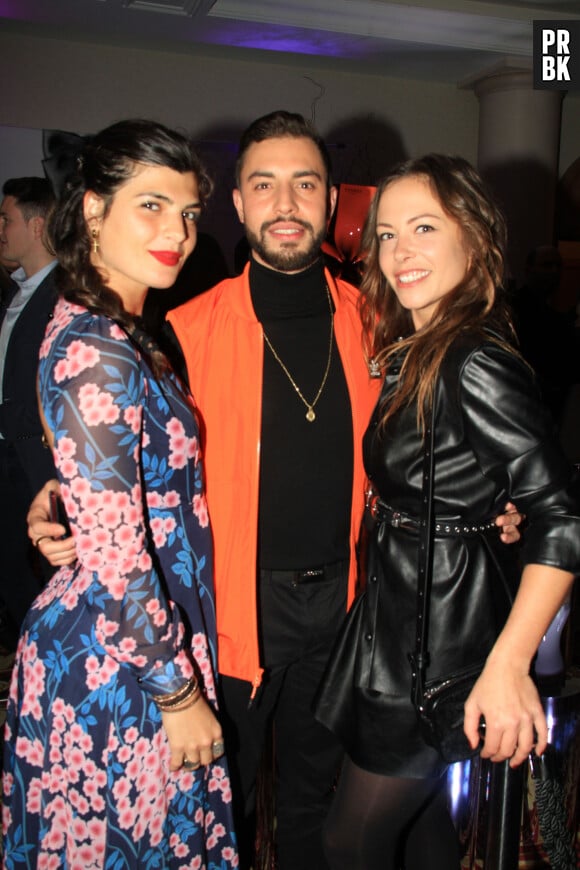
(25, 462)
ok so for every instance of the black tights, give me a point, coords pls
(389, 823)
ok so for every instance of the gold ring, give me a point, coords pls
(218, 748)
(191, 765)
(41, 538)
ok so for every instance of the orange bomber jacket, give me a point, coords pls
(222, 342)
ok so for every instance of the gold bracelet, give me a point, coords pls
(175, 698)
(189, 702)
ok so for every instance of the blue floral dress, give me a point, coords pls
(86, 779)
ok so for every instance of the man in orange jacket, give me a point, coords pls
(275, 362)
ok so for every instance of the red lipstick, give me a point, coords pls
(168, 258)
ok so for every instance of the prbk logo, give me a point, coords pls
(557, 54)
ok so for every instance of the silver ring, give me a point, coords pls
(191, 765)
(218, 748)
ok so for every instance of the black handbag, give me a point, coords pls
(439, 703)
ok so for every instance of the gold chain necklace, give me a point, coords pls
(310, 415)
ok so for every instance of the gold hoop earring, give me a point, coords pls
(95, 238)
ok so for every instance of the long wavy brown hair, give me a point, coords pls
(477, 300)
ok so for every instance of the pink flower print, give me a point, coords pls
(106, 627)
(31, 750)
(63, 314)
(66, 447)
(136, 497)
(181, 448)
(115, 585)
(183, 663)
(117, 333)
(133, 416)
(97, 406)
(160, 619)
(126, 818)
(157, 530)
(34, 674)
(130, 562)
(79, 356)
(220, 782)
(54, 840)
(99, 673)
(154, 499)
(61, 370)
(122, 787)
(68, 468)
(124, 754)
(79, 829)
(131, 734)
(229, 855)
(110, 516)
(123, 536)
(33, 795)
(144, 561)
(169, 525)
(200, 510)
(86, 520)
(172, 499)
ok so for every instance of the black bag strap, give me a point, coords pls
(419, 658)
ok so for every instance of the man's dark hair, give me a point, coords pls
(34, 195)
(278, 125)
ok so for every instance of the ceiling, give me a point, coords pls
(442, 40)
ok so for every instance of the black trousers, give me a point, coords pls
(300, 615)
(20, 568)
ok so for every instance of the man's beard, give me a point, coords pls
(286, 259)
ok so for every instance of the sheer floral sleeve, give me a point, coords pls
(94, 389)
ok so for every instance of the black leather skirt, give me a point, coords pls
(379, 732)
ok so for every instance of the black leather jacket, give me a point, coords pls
(494, 441)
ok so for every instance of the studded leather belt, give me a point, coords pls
(384, 513)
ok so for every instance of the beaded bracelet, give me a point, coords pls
(175, 699)
(189, 702)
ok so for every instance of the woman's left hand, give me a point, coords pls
(514, 718)
(508, 523)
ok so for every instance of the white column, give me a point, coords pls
(518, 150)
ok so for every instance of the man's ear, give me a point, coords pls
(37, 225)
(332, 197)
(238, 204)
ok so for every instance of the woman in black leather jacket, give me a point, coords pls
(438, 328)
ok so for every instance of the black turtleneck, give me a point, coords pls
(306, 468)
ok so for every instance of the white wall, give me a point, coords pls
(368, 121)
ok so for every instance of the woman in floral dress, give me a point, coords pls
(113, 752)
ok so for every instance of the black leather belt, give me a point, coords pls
(308, 575)
(384, 513)
(19, 439)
